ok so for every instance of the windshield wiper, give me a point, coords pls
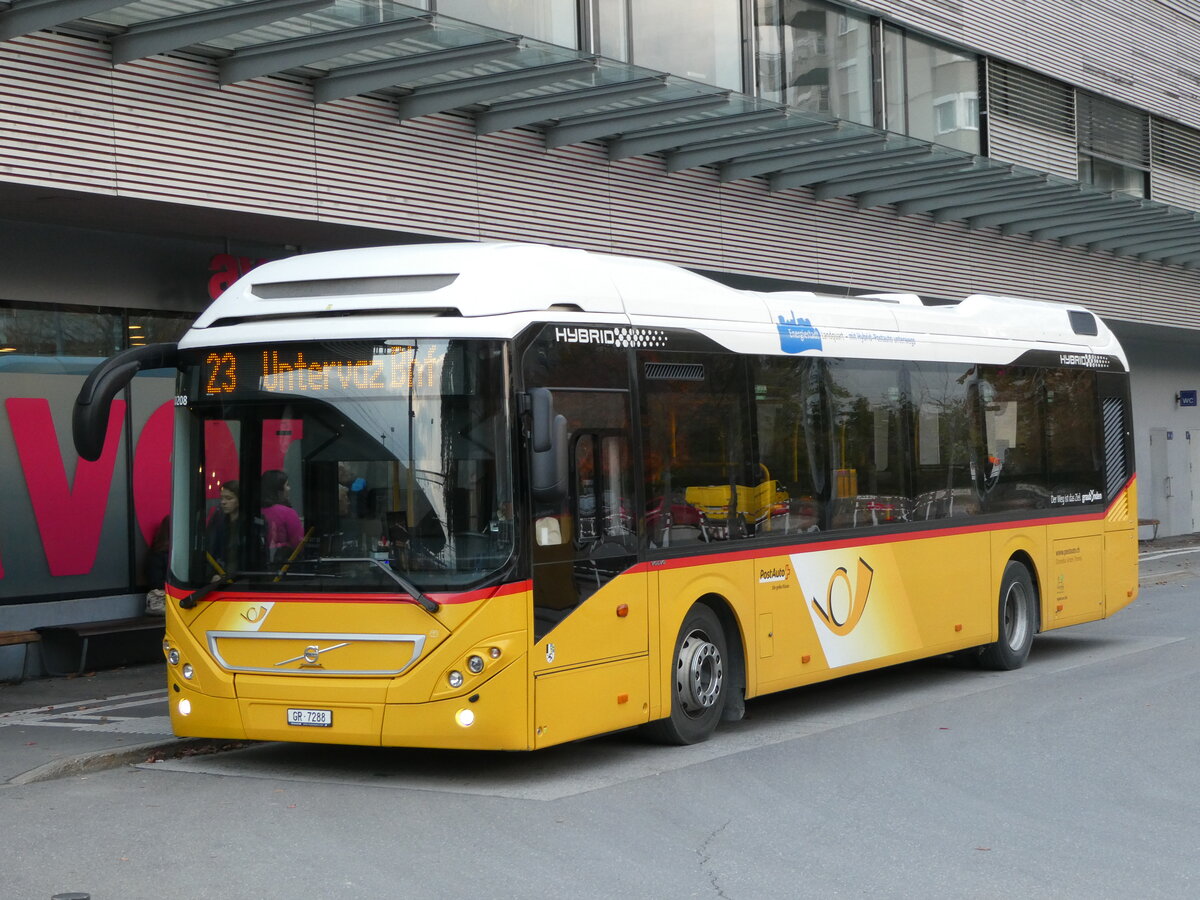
(426, 602)
(225, 580)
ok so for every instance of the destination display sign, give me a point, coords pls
(317, 369)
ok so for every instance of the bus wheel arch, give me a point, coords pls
(1018, 616)
(707, 675)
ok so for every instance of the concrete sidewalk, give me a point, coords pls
(53, 727)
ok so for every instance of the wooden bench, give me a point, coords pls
(73, 649)
(1149, 523)
(22, 639)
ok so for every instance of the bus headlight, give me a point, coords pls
(455, 678)
(465, 718)
(188, 671)
(173, 656)
(475, 664)
(185, 707)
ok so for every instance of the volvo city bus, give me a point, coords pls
(505, 496)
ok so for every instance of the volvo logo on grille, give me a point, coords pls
(311, 657)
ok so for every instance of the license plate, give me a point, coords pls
(321, 718)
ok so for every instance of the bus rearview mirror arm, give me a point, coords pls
(89, 419)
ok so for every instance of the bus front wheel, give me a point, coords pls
(1017, 611)
(699, 680)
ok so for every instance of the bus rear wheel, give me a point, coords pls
(1017, 611)
(699, 680)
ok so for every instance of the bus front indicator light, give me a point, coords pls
(455, 679)
(173, 656)
(187, 671)
(185, 707)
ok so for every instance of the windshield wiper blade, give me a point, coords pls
(426, 602)
(225, 580)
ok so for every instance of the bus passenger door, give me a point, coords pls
(590, 601)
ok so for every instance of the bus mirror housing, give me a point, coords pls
(548, 440)
(89, 419)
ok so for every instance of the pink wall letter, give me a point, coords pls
(69, 517)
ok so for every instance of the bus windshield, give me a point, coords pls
(343, 466)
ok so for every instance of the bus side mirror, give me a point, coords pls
(89, 419)
(548, 441)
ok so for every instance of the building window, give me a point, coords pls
(930, 91)
(815, 57)
(553, 21)
(1114, 145)
(696, 39)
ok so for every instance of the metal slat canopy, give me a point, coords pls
(163, 35)
(990, 189)
(979, 178)
(577, 129)
(25, 16)
(429, 63)
(810, 152)
(788, 133)
(512, 113)
(1067, 226)
(448, 95)
(279, 56)
(347, 81)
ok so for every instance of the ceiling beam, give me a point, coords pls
(27, 16)
(1145, 236)
(949, 184)
(651, 140)
(909, 173)
(1047, 206)
(279, 56)
(447, 95)
(807, 175)
(950, 210)
(1066, 225)
(590, 126)
(788, 134)
(1171, 250)
(527, 111)
(348, 81)
(808, 153)
(990, 190)
(163, 35)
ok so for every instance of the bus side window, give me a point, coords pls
(787, 407)
(944, 452)
(871, 421)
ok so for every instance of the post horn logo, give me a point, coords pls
(845, 602)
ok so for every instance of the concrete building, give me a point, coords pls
(151, 151)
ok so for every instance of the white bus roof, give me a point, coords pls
(498, 289)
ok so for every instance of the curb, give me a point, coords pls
(102, 760)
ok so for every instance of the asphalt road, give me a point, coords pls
(1074, 777)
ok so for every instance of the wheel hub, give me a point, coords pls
(700, 672)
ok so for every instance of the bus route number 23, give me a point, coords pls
(222, 373)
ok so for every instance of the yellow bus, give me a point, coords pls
(504, 496)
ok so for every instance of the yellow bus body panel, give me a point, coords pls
(800, 615)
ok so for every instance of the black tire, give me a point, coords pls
(700, 678)
(1017, 619)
